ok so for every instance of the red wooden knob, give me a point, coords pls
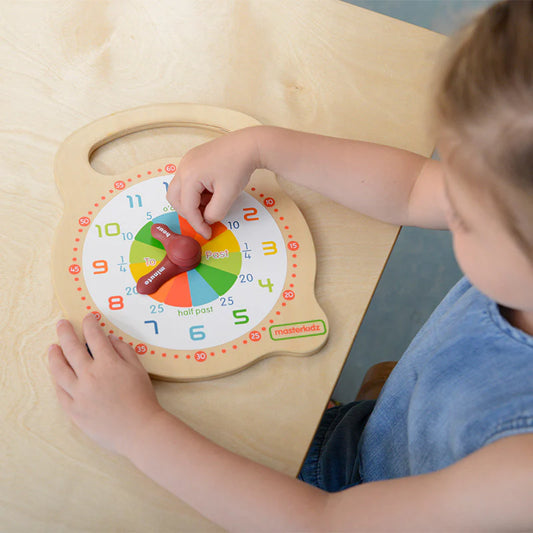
(183, 254)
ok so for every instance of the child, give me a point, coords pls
(449, 444)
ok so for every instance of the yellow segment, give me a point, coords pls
(138, 270)
(224, 241)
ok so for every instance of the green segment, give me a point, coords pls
(145, 236)
(140, 250)
(219, 280)
(231, 264)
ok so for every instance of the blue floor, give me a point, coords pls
(421, 268)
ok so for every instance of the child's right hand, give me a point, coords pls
(211, 176)
(108, 394)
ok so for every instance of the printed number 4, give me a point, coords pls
(266, 284)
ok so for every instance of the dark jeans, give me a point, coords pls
(332, 463)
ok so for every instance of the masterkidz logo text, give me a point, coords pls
(298, 329)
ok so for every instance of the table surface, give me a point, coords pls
(321, 66)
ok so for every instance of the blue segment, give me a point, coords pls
(201, 291)
(170, 219)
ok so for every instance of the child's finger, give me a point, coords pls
(60, 369)
(220, 203)
(125, 351)
(190, 201)
(65, 400)
(73, 350)
(174, 192)
(97, 340)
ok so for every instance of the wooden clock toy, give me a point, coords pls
(191, 308)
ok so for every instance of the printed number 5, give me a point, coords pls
(196, 333)
(241, 316)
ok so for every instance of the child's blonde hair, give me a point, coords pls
(484, 110)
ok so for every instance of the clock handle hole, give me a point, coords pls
(125, 152)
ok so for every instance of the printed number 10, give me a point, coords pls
(111, 230)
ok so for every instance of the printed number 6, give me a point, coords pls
(196, 334)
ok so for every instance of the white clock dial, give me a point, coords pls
(238, 282)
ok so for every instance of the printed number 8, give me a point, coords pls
(115, 303)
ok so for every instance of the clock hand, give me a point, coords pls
(183, 254)
(164, 271)
(181, 250)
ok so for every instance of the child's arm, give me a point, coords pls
(386, 183)
(111, 399)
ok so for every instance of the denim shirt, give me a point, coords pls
(465, 381)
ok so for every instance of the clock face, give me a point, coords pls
(241, 276)
(251, 295)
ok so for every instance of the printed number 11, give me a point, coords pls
(139, 200)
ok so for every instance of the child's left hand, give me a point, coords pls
(110, 397)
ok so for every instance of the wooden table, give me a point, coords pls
(317, 65)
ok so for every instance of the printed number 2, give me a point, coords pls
(250, 214)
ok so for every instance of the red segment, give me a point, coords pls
(84, 221)
(74, 269)
(162, 292)
(293, 245)
(186, 228)
(179, 294)
(217, 228)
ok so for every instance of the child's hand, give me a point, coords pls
(110, 397)
(211, 176)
